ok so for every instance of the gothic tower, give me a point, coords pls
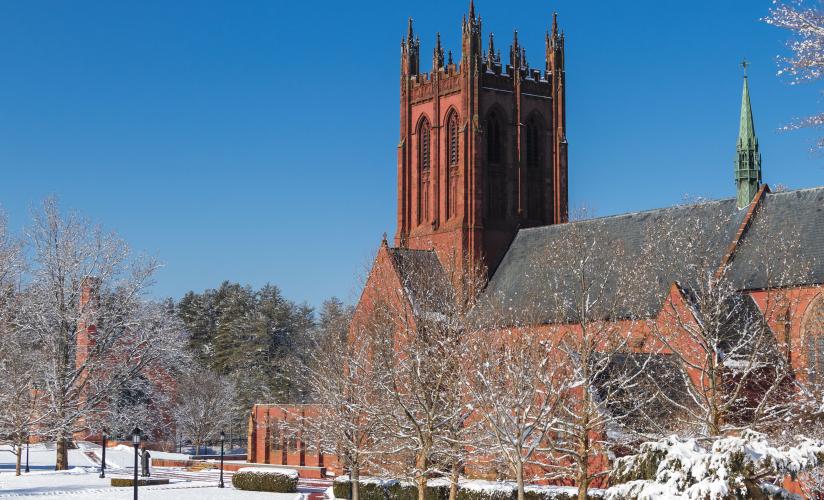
(483, 148)
(748, 158)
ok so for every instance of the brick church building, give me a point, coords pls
(482, 175)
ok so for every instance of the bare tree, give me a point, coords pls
(203, 405)
(587, 300)
(340, 375)
(18, 354)
(19, 397)
(418, 362)
(804, 19)
(735, 367)
(516, 385)
(85, 308)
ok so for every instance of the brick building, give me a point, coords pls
(482, 173)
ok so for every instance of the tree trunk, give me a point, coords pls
(62, 462)
(453, 481)
(18, 457)
(422, 463)
(583, 464)
(519, 479)
(583, 479)
(354, 481)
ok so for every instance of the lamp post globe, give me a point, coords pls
(222, 441)
(136, 435)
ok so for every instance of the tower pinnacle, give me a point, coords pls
(748, 158)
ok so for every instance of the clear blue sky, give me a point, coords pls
(255, 141)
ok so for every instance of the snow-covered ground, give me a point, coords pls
(42, 456)
(82, 480)
(85, 483)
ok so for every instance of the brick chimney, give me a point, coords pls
(86, 327)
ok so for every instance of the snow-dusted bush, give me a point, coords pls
(371, 488)
(733, 467)
(266, 479)
(438, 489)
(486, 490)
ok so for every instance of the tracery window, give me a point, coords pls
(813, 331)
(497, 195)
(424, 161)
(535, 178)
(453, 169)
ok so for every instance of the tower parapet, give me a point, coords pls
(483, 146)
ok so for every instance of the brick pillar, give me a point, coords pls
(251, 437)
(87, 309)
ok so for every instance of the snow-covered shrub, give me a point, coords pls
(266, 479)
(371, 488)
(557, 493)
(486, 490)
(438, 489)
(732, 468)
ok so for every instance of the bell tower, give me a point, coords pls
(483, 149)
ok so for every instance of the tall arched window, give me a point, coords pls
(534, 170)
(813, 331)
(424, 159)
(452, 161)
(496, 171)
(494, 141)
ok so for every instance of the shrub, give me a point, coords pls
(438, 490)
(341, 487)
(264, 479)
(486, 490)
(368, 488)
(389, 489)
(557, 493)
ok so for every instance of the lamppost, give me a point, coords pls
(136, 442)
(28, 439)
(103, 460)
(222, 440)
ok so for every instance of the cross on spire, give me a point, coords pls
(745, 64)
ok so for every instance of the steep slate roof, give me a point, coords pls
(516, 287)
(514, 283)
(422, 276)
(798, 216)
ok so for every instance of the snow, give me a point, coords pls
(84, 483)
(122, 449)
(566, 491)
(291, 473)
(42, 457)
(686, 470)
(486, 486)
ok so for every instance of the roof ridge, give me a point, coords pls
(799, 190)
(637, 212)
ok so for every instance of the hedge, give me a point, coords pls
(261, 479)
(390, 489)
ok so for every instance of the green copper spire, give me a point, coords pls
(748, 159)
